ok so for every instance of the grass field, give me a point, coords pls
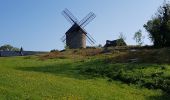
(77, 78)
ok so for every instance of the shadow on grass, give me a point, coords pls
(92, 69)
(67, 70)
(164, 96)
(131, 73)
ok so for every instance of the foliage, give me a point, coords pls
(27, 78)
(72, 78)
(122, 36)
(145, 75)
(66, 47)
(100, 46)
(8, 47)
(54, 50)
(159, 27)
(150, 70)
(121, 40)
(72, 53)
(138, 37)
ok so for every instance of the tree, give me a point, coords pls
(121, 39)
(8, 47)
(159, 26)
(66, 47)
(100, 45)
(138, 37)
(122, 36)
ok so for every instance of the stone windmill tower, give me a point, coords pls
(76, 36)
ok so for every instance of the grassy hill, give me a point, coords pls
(88, 74)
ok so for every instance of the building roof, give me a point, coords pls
(75, 28)
(118, 42)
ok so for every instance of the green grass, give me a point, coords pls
(31, 78)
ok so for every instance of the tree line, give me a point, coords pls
(8, 47)
(158, 27)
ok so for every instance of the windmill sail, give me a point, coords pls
(76, 36)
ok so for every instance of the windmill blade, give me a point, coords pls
(87, 19)
(63, 38)
(91, 37)
(89, 14)
(68, 18)
(90, 40)
(88, 35)
(71, 15)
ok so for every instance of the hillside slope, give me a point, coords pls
(87, 74)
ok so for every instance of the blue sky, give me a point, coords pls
(38, 24)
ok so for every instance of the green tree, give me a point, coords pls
(99, 46)
(121, 40)
(138, 37)
(8, 47)
(159, 26)
(122, 36)
(66, 47)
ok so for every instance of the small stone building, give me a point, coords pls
(118, 42)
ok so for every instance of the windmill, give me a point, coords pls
(76, 36)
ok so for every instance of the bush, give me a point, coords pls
(8, 47)
(159, 27)
(54, 50)
(130, 74)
